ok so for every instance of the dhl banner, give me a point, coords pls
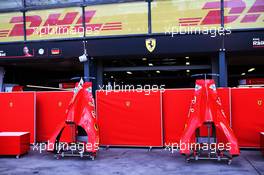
(117, 19)
(131, 18)
(101, 20)
(241, 14)
(7, 30)
(54, 23)
(204, 14)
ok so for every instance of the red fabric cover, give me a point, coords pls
(80, 112)
(176, 105)
(207, 107)
(248, 115)
(175, 108)
(129, 118)
(17, 111)
(51, 110)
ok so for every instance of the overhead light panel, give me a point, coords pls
(251, 69)
(188, 71)
(187, 63)
(157, 71)
(150, 64)
(243, 74)
(144, 59)
(128, 72)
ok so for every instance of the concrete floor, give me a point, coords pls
(119, 161)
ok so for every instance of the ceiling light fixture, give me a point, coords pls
(251, 69)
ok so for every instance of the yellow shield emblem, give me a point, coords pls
(151, 44)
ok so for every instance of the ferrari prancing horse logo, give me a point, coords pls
(260, 102)
(151, 44)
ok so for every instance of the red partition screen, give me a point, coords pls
(248, 115)
(51, 108)
(17, 111)
(129, 118)
(176, 104)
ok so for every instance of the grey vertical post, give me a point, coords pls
(222, 69)
(86, 70)
(99, 73)
(215, 69)
(2, 75)
(222, 55)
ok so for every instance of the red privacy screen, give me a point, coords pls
(248, 115)
(17, 111)
(176, 104)
(51, 108)
(129, 118)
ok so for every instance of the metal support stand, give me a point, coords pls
(210, 138)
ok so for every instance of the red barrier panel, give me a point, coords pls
(175, 108)
(248, 115)
(225, 96)
(129, 118)
(17, 111)
(132, 119)
(51, 108)
(176, 104)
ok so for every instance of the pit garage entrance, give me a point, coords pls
(171, 71)
(57, 73)
(246, 69)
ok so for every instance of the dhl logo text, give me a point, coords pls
(72, 21)
(235, 8)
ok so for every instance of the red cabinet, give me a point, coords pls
(14, 143)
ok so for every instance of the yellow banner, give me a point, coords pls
(244, 14)
(101, 20)
(178, 15)
(118, 19)
(54, 23)
(11, 27)
(131, 18)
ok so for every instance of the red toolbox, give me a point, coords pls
(14, 143)
(262, 142)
